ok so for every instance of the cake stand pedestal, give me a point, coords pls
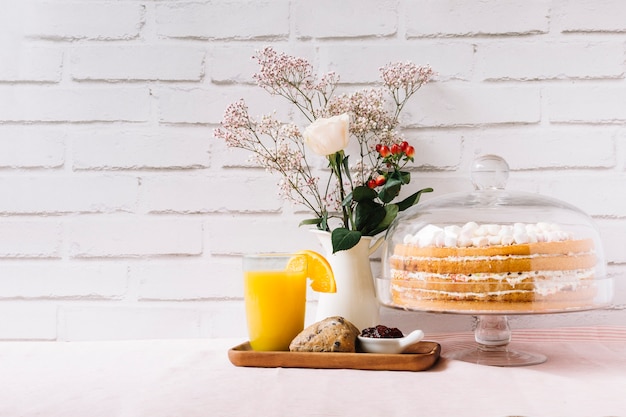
(493, 334)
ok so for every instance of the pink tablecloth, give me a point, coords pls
(585, 375)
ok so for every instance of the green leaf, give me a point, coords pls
(413, 199)
(311, 221)
(391, 212)
(367, 216)
(343, 239)
(334, 162)
(363, 193)
(346, 168)
(348, 200)
(390, 190)
(405, 177)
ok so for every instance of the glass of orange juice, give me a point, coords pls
(275, 299)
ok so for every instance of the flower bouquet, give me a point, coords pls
(357, 198)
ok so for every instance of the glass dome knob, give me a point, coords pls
(489, 172)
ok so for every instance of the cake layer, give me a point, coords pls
(470, 265)
(562, 247)
(542, 283)
(522, 301)
(491, 294)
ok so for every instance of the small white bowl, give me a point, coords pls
(390, 345)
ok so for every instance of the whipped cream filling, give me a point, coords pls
(472, 234)
(544, 290)
(462, 295)
(547, 278)
(483, 257)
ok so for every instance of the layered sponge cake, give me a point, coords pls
(492, 267)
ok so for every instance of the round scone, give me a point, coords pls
(333, 334)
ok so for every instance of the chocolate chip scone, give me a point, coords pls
(333, 334)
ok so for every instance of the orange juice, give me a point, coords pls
(275, 304)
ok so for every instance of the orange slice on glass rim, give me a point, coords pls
(318, 270)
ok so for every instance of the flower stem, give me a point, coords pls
(336, 163)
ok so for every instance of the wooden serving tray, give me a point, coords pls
(417, 357)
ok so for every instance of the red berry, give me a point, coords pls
(396, 149)
(380, 180)
(410, 151)
(378, 146)
(404, 146)
(371, 183)
(384, 151)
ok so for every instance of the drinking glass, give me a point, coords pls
(275, 299)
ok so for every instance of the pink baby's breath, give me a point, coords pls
(279, 147)
(405, 75)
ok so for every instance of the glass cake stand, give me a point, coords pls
(490, 204)
(492, 335)
(492, 332)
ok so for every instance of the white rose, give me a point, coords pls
(325, 136)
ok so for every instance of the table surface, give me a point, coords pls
(585, 375)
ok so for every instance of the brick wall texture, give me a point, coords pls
(121, 216)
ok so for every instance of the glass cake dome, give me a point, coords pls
(492, 253)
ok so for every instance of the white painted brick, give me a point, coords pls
(191, 105)
(224, 319)
(429, 145)
(132, 237)
(620, 148)
(252, 234)
(32, 104)
(617, 272)
(531, 60)
(217, 278)
(28, 321)
(459, 17)
(12, 18)
(230, 157)
(206, 194)
(56, 279)
(83, 20)
(590, 16)
(597, 195)
(368, 18)
(550, 147)
(612, 232)
(124, 322)
(137, 62)
(441, 185)
(223, 19)
(29, 63)
(139, 148)
(201, 105)
(67, 194)
(40, 238)
(586, 103)
(31, 147)
(450, 104)
(233, 63)
(451, 60)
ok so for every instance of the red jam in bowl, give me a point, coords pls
(382, 332)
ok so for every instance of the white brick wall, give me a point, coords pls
(122, 217)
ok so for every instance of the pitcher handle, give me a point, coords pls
(376, 244)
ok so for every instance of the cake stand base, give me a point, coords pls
(493, 335)
(496, 357)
